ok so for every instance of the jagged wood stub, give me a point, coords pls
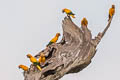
(73, 53)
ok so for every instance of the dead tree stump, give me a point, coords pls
(72, 54)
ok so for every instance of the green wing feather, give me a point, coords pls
(49, 43)
(71, 13)
(36, 63)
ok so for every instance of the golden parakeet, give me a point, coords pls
(68, 12)
(84, 22)
(111, 12)
(54, 40)
(34, 61)
(42, 59)
(23, 67)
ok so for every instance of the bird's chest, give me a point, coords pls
(67, 11)
(33, 60)
(25, 68)
(54, 39)
(42, 59)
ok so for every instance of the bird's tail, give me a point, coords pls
(73, 16)
(39, 67)
(109, 18)
(49, 43)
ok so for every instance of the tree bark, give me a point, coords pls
(72, 54)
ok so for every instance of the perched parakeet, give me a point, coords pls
(84, 22)
(42, 59)
(54, 40)
(34, 61)
(111, 12)
(68, 12)
(23, 67)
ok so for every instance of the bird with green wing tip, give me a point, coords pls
(34, 61)
(54, 40)
(68, 12)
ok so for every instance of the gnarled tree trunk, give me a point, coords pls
(73, 53)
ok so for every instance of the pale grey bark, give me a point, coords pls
(72, 54)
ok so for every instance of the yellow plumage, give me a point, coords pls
(111, 12)
(23, 67)
(54, 40)
(39, 67)
(34, 61)
(72, 16)
(42, 58)
(84, 22)
(68, 12)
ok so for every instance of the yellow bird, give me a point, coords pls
(34, 61)
(111, 12)
(23, 67)
(54, 40)
(68, 12)
(84, 22)
(42, 58)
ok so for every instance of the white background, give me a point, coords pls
(26, 26)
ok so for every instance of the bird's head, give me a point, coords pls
(63, 10)
(113, 6)
(20, 66)
(42, 55)
(29, 55)
(57, 34)
(84, 19)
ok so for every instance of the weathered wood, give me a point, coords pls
(72, 54)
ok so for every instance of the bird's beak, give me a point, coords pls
(27, 56)
(63, 11)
